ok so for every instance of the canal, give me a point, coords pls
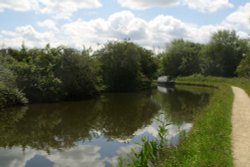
(95, 132)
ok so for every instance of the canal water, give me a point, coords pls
(93, 133)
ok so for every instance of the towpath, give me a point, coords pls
(241, 128)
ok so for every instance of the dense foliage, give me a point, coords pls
(223, 54)
(35, 73)
(126, 66)
(220, 57)
(9, 93)
(49, 74)
(54, 74)
(243, 69)
(76, 74)
(182, 58)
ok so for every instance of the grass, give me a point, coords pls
(149, 150)
(217, 81)
(209, 142)
(241, 82)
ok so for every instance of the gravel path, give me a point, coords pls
(241, 128)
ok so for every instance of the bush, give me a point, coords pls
(54, 74)
(75, 71)
(35, 74)
(223, 53)
(181, 58)
(11, 97)
(9, 93)
(126, 66)
(243, 70)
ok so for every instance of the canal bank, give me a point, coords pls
(94, 132)
(210, 142)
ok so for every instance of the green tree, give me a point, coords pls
(223, 54)
(243, 70)
(148, 63)
(9, 93)
(54, 74)
(181, 58)
(78, 78)
(126, 66)
(35, 74)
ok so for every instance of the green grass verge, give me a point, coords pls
(209, 142)
(244, 83)
(217, 81)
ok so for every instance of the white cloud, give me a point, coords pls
(152, 34)
(48, 24)
(144, 4)
(29, 35)
(20, 5)
(83, 155)
(65, 8)
(58, 8)
(122, 25)
(118, 26)
(240, 19)
(209, 5)
(200, 5)
(79, 32)
(125, 25)
(15, 157)
(165, 28)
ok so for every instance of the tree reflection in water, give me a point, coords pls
(117, 116)
(105, 121)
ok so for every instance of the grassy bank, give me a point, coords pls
(209, 142)
(244, 83)
(241, 82)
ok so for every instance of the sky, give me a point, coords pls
(91, 23)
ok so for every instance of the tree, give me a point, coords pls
(126, 66)
(35, 74)
(54, 74)
(223, 54)
(148, 63)
(181, 58)
(78, 78)
(243, 70)
(9, 93)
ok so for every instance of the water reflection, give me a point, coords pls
(94, 132)
(181, 103)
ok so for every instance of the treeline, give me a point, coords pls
(225, 55)
(55, 74)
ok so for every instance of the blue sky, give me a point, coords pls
(150, 23)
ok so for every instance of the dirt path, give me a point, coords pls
(241, 128)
